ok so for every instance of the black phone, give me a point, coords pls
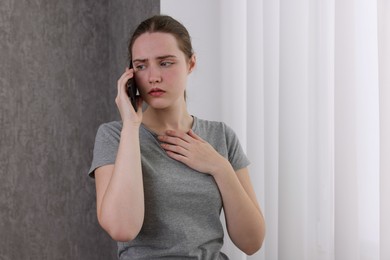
(131, 89)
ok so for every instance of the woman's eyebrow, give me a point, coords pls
(163, 57)
(139, 60)
(166, 57)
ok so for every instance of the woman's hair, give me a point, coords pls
(164, 24)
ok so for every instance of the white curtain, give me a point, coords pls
(306, 86)
(315, 119)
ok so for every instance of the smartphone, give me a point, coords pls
(131, 89)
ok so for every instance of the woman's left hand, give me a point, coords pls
(192, 150)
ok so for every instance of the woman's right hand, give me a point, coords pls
(122, 100)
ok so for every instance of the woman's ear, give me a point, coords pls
(191, 63)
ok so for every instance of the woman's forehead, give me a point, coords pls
(155, 44)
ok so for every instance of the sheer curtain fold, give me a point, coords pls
(357, 131)
(270, 101)
(384, 108)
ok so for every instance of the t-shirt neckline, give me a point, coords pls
(194, 126)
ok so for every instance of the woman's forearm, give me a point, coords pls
(122, 207)
(244, 220)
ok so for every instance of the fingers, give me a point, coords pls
(176, 150)
(177, 157)
(190, 149)
(122, 96)
(122, 99)
(128, 74)
(175, 138)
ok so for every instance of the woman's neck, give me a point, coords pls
(160, 121)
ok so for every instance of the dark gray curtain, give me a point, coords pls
(59, 62)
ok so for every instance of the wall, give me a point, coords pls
(59, 61)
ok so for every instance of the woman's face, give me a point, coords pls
(161, 69)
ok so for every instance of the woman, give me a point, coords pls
(162, 175)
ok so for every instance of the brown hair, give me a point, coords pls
(165, 24)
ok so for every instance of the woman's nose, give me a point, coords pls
(154, 74)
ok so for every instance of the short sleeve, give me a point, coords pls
(106, 146)
(236, 155)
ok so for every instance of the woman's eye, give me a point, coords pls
(166, 63)
(140, 67)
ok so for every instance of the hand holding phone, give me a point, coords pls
(131, 89)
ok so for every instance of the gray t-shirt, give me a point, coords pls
(182, 206)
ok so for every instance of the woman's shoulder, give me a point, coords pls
(112, 129)
(210, 125)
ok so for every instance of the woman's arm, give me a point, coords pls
(119, 190)
(119, 187)
(245, 222)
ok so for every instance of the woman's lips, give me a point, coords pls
(156, 92)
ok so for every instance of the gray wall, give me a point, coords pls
(59, 62)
